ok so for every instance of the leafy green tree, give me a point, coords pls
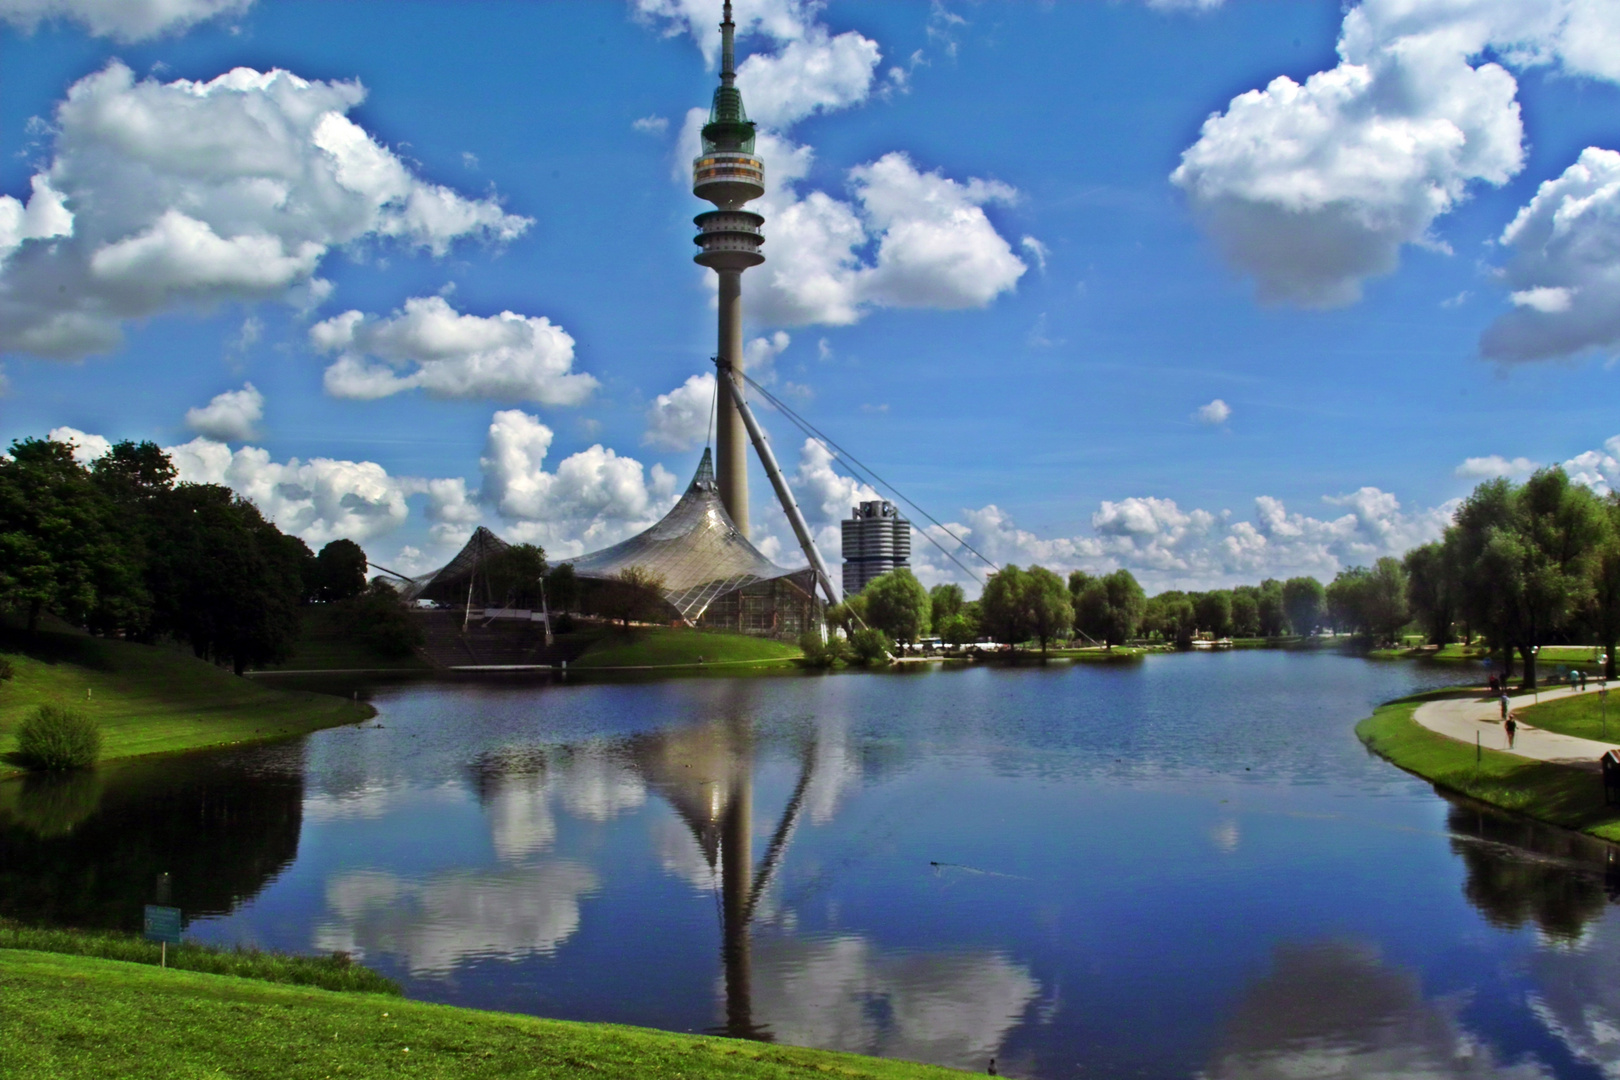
(1214, 612)
(897, 604)
(944, 601)
(1305, 604)
(1110, 608)
(1051, 612)
(1525, 558)
(871, 646)
(1246, 611)
(58, 541)
(514, 575)
(1273, 609)
(1170, 615)
(1346, 598)
(340, 571)
(562, 588)
(957, 630)
(1384, 599)
(379, 617)
(1002, 612)
(1431, 591)
(1604, 611)
(633, 594)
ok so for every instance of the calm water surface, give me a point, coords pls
(1185, 867)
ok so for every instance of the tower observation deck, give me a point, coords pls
(729, 174)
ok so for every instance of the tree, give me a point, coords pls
(1431, 592)
(340, 571)
(957, 630)
(562, 588)
(58, 550)
(1384, 604)
(1001, 608)
(871, 646)
(897, 604)
(1604, 609)
(379, 617)
(1304, 603)
(1215, 612)
(1246, 611)
(1347, 600)
(514, 575)
(1051, 612)
(1524, 558)
(1273, 609)
(634, 593)
(1171, 616)
(1110, 608)
(944, 601)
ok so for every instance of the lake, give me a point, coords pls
(1182, 867)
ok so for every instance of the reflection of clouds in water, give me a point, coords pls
(1225, 836)
(592, 783)
(520, 819)
(597, 785)
(1334, 1010)
(680, 856)
(373, 800)
(837, 770)
(845, 994)
(1578, 997)
(435, 924)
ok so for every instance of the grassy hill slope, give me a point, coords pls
(97, 1018)
(152, 700)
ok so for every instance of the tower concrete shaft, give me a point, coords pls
(729, 174)
(730, 436)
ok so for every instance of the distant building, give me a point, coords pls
(876, 540)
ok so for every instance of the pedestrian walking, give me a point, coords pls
(1512, 726)
(1504, 703)
(1495, 686)
(1583, 682)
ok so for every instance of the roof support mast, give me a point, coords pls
(767, 458)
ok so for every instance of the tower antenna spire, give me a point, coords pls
(728, 48)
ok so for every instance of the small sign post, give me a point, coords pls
(162, 924)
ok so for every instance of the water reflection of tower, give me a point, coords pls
(706, 774)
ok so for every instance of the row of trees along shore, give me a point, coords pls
(1520, 566)
(120, 549)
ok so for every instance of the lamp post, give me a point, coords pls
(1535, 683)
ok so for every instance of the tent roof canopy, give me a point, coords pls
(696, 549)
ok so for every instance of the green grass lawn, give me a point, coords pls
(1557, 794)
(152, 700)
(90, 1018)
(658, 646)
(326, 645)
(1582, 715)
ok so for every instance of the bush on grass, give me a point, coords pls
(7, 671)
(823, 654)
(334, 972)
(871, 646)
(56, 738)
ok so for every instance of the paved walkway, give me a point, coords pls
(1465, 718)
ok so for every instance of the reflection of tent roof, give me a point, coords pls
(697, 550)
(448, 584)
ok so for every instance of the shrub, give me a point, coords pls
(871, 646)
(6, 670)
(57, 737)
(823, 654)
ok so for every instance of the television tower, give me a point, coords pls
(729, 174)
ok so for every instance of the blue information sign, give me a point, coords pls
(163, 924)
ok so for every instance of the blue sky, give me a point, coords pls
(986, 275)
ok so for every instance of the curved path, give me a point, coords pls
(1465, 718)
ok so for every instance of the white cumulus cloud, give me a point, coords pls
(164, 195)
(679, 420)
(229, 417)
(1215, 413)
(1496, 465)
(430, 346)
(1564, 268)
(594, 498)
(86, 447)
(1313, 188)
(125, 20)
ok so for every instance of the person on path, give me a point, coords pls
(1495, 686)
(1512, 726)
(1504, 704)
